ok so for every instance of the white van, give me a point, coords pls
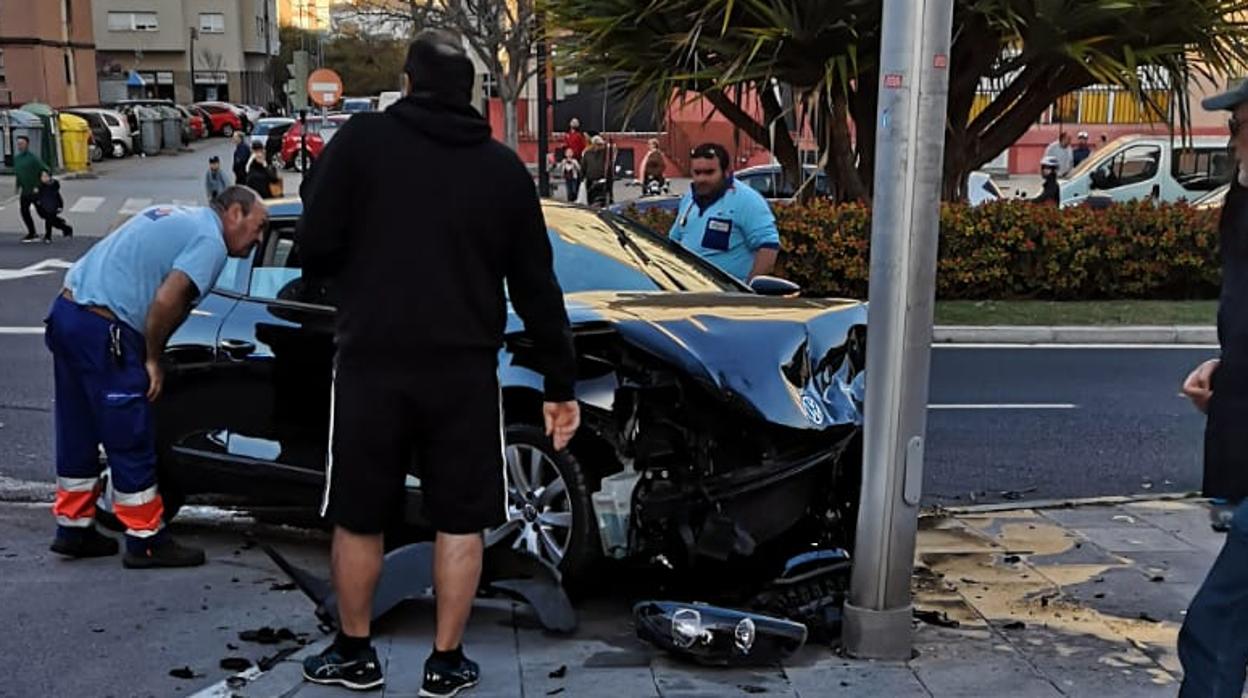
(1157, 167)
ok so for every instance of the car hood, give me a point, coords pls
(796, 362)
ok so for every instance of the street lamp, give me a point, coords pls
(194, 36)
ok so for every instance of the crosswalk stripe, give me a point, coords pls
(135, 205)
(87, 204)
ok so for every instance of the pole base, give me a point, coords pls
(884, 635)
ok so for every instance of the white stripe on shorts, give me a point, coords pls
(502, 442)
(329, 452)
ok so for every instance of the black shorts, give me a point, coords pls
(438, 419)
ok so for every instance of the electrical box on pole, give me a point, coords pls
(905, 226)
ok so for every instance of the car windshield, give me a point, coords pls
(264, 127)
(607, 252)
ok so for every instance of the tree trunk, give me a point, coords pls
(843, 170)
(511, 130)
(781, 144)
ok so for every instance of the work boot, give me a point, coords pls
(333, 667)
(164, 552)
(87, 542)
(447, 677)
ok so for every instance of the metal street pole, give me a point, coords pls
(909, 158)
(543, 137)
(194, 34)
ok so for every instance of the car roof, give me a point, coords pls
(768, 169)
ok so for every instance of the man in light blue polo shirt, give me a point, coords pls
(106, 331)
(728, 224)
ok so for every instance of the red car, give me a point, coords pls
(194, 121)
(224, 120)
(319, 131)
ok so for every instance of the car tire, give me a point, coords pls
(120, 150)
(297, 163)
(97, 153)
(581, 550)
(227, 130)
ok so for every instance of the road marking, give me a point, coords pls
(22, 330)
(1002, 345)
(87, 204)
(133, 206)
(1006, 406)
(47, 266)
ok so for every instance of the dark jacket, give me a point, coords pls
(1226, 437)
(50, 201)
(419, 261)
(1051, 193)
(26, 170)
(259, 176)
(242, 153)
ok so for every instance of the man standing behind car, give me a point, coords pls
(418, 265)
(730, 226)
(106, 331)
(1213, 646)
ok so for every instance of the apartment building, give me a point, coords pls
(185, 50)
(47, 52)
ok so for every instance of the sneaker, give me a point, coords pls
(166, 553)
(30, 238)
(47, 240)
(68, 231)
(91, 543)
(332, 668)
(1220, 514)
(443, 681)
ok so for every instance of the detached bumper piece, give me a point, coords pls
(407, 574)
(717, 636)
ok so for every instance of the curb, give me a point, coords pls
(1065, 334)
(1064, 503)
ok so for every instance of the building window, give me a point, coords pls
(211, 23)
(1, 66)
(69, 69)
(133, 22)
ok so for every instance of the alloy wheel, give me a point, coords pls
(539, 510)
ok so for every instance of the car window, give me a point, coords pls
(111, 120)
(278, 267)
(1201, 169)
(1133, 165)
(762, 182)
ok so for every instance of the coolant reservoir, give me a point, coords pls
(613, 507)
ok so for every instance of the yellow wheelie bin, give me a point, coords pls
(75, 142)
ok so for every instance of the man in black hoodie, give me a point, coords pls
(417, 263)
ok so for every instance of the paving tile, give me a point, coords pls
(1190, 525)
(814, 672)
(1131, 540)
(490, 641)
(680, 680)
(1095, 517)
(971, 664)
(1176, 567)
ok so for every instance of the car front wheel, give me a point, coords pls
(299, 157)
(227, 130)
(549, 513)
(119, 149)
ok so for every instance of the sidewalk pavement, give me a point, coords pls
(1026, 602)
(1086, 334)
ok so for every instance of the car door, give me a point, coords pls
(275, 353)
(1133, 173)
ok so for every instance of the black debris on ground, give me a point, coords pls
(268, 636)
(231, 646)
(279, 586)
(235, 663)
(267, 663)
(184, 673)
(559, 673)
(235, 682)
(1011, 559)
(1015, 495)
(939, 619)
(1157, 578)
(555, 692)
(1148, 618)
(752, 689)
(97, 630)
(1099, 595)
(1014, 625)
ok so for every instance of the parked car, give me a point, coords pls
(320, 130)
(980, 189)
(225, 118)
(1157, 167)
(270, 131)
(358, 104)
(101, 134)
(714, 419)
(251, 115)
(195, 125)
(121, 140)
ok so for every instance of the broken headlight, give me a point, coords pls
(717, 636)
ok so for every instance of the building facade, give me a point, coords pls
(185, 50)
(311, 15)
(47, 52)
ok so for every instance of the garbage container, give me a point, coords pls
(75, 142)
(149, 130)
(20, 123)
(47, 148)
(171, 128)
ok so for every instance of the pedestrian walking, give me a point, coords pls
(27, 170)
(1213, 646)
(422, 382)
(571, 168)
(1082, 149)
(597, 167)
(50, 204)
(730, 226)
(107, 330)
(653, 170)
(261, 176)
(214, 181)
(1060, 150)
(1051, 191)
(575, 140)
(241, 155)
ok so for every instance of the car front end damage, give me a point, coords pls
(734, 427)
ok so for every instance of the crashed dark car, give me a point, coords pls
(716, 419)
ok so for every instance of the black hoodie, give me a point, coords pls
(420, 216)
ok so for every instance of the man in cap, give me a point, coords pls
(1213, 646)
(1082, 149)
(416, 366)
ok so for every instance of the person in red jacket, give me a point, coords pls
(575, 140)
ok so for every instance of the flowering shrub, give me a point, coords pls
(1012, 249)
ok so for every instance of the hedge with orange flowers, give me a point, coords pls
(1013, 250)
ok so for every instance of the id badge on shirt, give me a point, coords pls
(717, 233)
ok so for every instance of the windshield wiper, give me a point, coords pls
(635, 250)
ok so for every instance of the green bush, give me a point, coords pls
(1013, 250)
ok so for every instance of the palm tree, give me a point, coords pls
(733, 52)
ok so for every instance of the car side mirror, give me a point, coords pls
(774, 286)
